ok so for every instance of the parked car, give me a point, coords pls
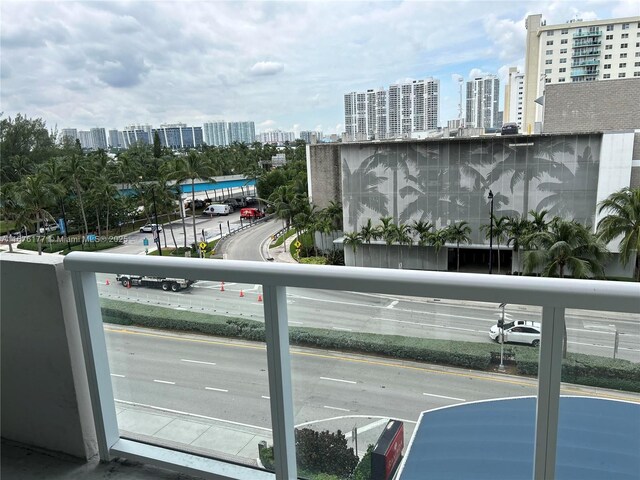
(150, 227)
(509, 129)
(198, 203)
(246, 213)
(48, 227)
(519, 331)
(251, 200)
(217, 209)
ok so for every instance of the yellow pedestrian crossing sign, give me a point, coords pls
(203, 245)
(297, 244)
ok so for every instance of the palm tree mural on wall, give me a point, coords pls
(575, 195)
(360, 190)
(525, 164)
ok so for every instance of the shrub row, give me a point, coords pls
(577, 368)
(60, 245)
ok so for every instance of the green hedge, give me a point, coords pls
(577, 368)
(60, 245)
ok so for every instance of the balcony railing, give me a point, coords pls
(586, 63)
(554, 295)
(587, 33)
(586, 53)
(585, 73)
(587, 42)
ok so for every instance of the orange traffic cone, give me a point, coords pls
(241, 293)
(129, 284)
(259, 297)
(222, 286)
(107, 282)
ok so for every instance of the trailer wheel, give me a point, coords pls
(125, 282)
(165, 286)
(175, 287)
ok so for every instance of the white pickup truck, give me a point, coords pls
(173, 284)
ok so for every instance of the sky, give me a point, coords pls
(284, 65)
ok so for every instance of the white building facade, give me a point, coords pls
(397, 112)
(577, 51)
(276, 137)
(69, 133)
(514, 97)
(216, 134)
(482, 100)
(98, 138)
(242, 132)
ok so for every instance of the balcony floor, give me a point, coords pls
(26, 463)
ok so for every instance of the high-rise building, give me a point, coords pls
(178, 136)
(242, 132)
(216, 134)
(134, 134)
(115, 139)
(69, 133)
(577, 51)
(98, 138)
(514, 97)
(482, 101)
(310, 136)
(276, 137)
(394, 113)
(85, 138)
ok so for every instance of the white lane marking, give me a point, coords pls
(266, 398)
(343, 329)
(368, 427)
(196, 361)
(336, 408)
(336, 380)
(393, 304)
(216, 389)
(164, 381)
(195, 415)
(443, 396)
(296, 323)
(116, 375)
(428, 325)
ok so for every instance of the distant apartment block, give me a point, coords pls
(310, 136)
(98, 138)
(242, 132)
(394, 113)
(216, 134)
(134, 134)
(178, 136)
(276, 137)
(577, 51)
(85, 139)
(514, 97)
(69, 133)
(115, 139)
(482, 99)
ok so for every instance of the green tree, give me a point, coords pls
(422, 229)
(623, 220)
(353, 239)
(386, 231)
(324, 452)
(77, 170)
(402, 235)
(34, 198)
(437, 239)
(500, 229)
(459, 233)
(517, 229)
(157, 146)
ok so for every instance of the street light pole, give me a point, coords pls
(501, 366)
(155, 214)
(491, 235)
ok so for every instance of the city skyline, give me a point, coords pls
(87, 64)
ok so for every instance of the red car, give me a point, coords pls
(251, 213)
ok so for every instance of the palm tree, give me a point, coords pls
(75, 169)
(33, 197)
(103, 194)
(191, 167)
(402, 235)
(459, 232)
(517, 228)
(354, 239)
(437, 239)
(386, 232)
(422, 229)
(538, 224)
(167, 171)
(623, 221)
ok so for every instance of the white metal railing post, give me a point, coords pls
(94, 349)
(280, 383)
(548, 402)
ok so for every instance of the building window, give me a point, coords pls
(624, 45)
(548, 62)
(609, 37)
(609, 28)
(637, 54)
(549, 52)
(563, 50)
(623, 55)
(563, 60)
(622, 65)
(625, 26)
(561, 79)
(637, 64)
(608, 47)
(564, 41)
(549, 42)
(550, 33)
(622, 75)
(562, 70)
(608, 56)
(637, 44)
(547, 71)
(636, 74)
(547, 80)
(607, 66)
(625, 35)
(606, 75)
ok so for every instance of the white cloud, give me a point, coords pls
(267, 68)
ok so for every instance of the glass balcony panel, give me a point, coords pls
(189, 368)
(388, 357)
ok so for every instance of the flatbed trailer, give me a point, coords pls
(165, 283)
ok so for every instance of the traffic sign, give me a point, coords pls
(203, 245)
(297, 244)
(91, 237)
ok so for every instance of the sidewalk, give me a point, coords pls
(281, 254)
